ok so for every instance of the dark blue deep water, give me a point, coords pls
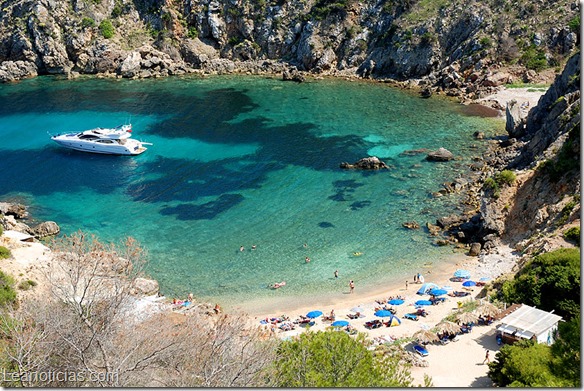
(242, 161)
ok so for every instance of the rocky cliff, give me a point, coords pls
(531, 191)
(454, 45)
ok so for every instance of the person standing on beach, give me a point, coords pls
(487, 360)
(336, 274)
(351, 286)
(406, 285)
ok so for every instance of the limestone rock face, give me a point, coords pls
(516, 121)
(13, 209)
(47, 228)
(440, 155)
(131, 65)
(17, 70)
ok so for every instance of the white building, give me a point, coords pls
(529, 323)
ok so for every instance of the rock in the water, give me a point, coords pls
(434, 230)
(48, 228)
(475, 249)
(448, 221)
(293, 75)
(411, 225)
(146, 286)
(479, 135)
(368, 163)
(441, 155)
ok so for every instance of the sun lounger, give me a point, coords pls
(459, 294)
(374, 324)
(411, 316)
(420, 350)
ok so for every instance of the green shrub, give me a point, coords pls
(117, 11)
(534, 58)
(1, 230)
(506, 177)
(4, 253)
(550, 281)
(7, 292)
(106, 29)
(492, 184)
(87, 22)
(574, 24)
(193, 33)
(26, 284)
(486, 42)
(573, 234)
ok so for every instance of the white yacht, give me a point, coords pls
(112, 141)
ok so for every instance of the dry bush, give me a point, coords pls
(89, 326)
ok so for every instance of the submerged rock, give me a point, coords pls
(441, 155)
(411, 225)
(368, 163)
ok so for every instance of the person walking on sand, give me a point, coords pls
(487, 360)
(351, 286)
(406, 285)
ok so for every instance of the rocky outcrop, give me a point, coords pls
(440, 155)
(44, 229)
(368, 163)
(545, 196)
(293, 74)
(12, 214)
(13, 209)
(516, 121)
(145, 287)
(17, 70)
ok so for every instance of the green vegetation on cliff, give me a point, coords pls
(550, 281)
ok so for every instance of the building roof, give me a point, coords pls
(528, 321)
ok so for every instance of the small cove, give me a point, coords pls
(242, 161)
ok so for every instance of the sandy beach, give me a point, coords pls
(466, 354)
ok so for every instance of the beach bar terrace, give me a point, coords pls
(529, 323)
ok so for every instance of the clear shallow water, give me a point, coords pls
(241, 161)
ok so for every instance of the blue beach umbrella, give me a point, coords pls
(314, 314)
(469, 283)
(340, 323)
(383, 313)
(423, 302)
(438, 292)
(485, 279)
(395, 301)
(462, 273)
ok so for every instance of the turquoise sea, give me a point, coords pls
(241, 161)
